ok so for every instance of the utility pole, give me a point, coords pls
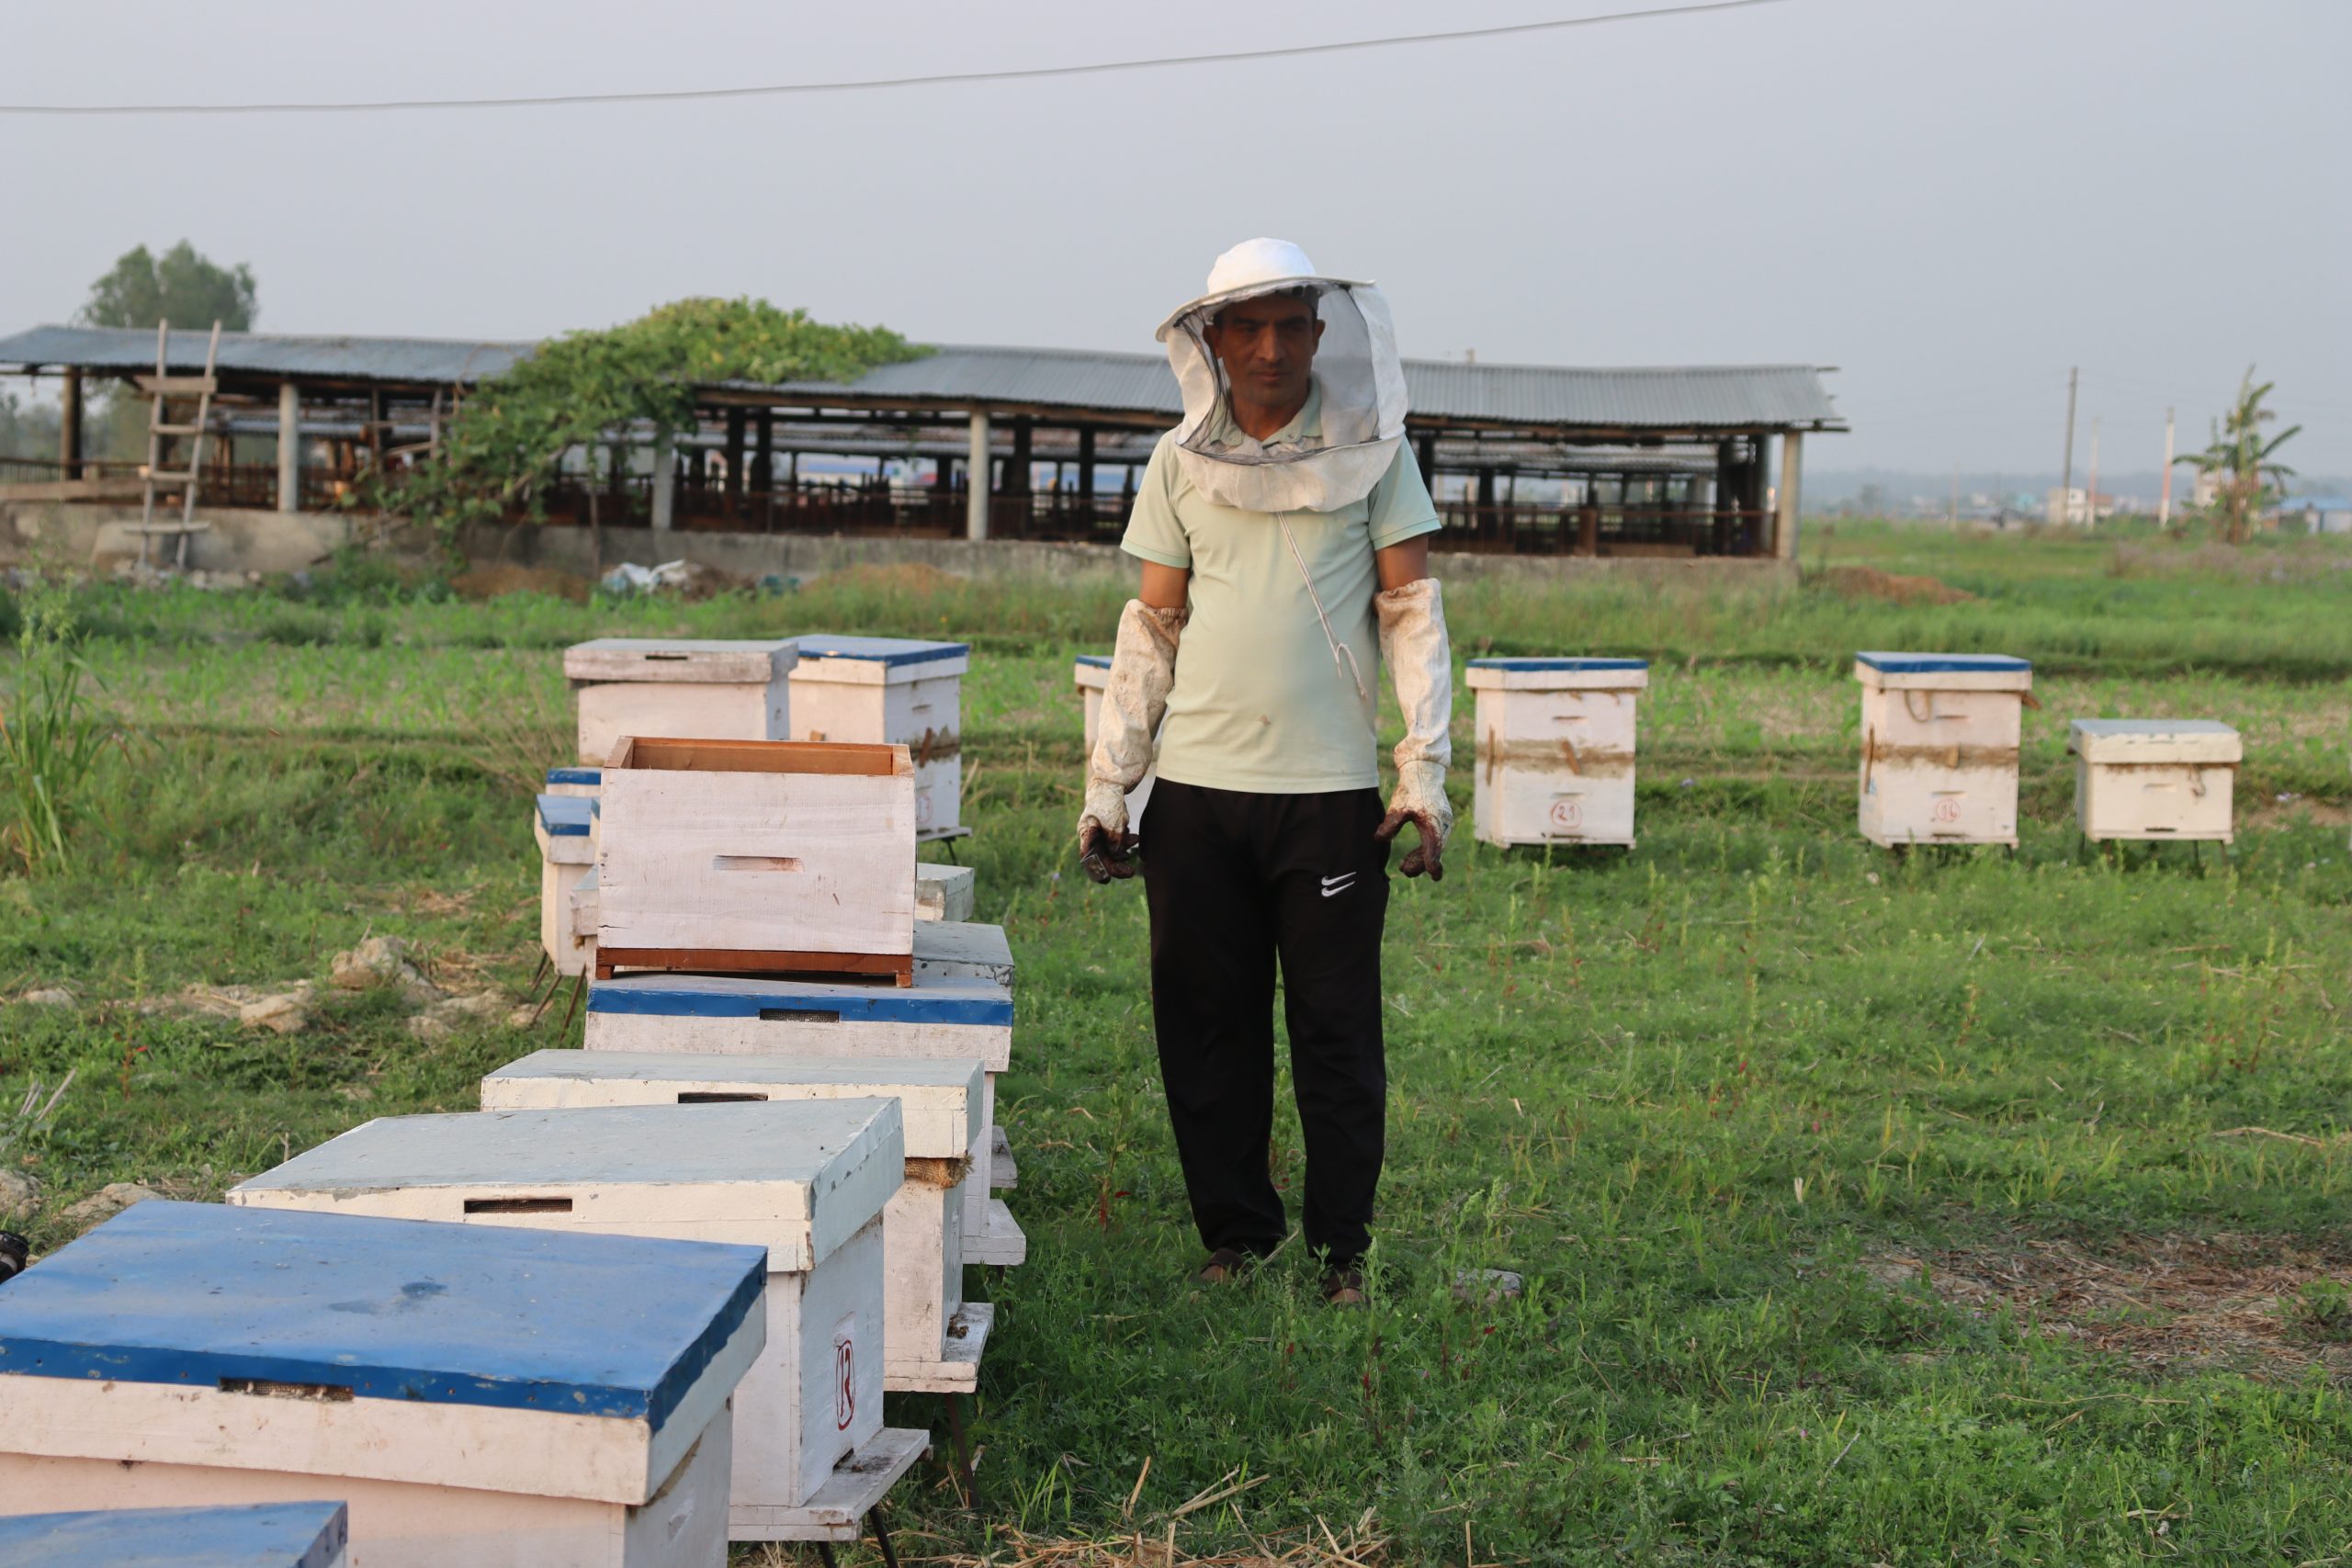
(2163, 502)
(2066, 474)
(2090, 498)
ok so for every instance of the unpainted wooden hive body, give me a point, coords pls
(680, 688)
(2156, 778)
(1941, 733)
(1555, 756)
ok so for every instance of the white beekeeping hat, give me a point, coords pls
(1359, 377)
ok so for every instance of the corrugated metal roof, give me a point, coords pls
(1522, 396)
(430, 361)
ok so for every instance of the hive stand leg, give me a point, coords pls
(964, 1476)
(825, 1554)
(579, 985)
(881, 1524)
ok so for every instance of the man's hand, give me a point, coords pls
(1107, 856)
(1425, 856)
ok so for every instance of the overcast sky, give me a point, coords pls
(1952, 202)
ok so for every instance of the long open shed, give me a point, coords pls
(1527, 459)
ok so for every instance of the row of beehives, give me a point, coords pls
(1940, 738)
(648, 1298)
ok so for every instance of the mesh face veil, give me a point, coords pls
(1347, 435)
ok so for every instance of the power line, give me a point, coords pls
(1025, 73)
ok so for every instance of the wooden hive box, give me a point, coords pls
(1092, 674)
(1941, 733)
(258, 1535)
(1555, 741)
(479, 1397)
(950, 949)
(575, 781)
(2154, 778)
(690, 688)
(806, 1180)
(766, 856)
(891, 691)
(931, 1337)
(944, 892)
(958, 1017)
(565, 826)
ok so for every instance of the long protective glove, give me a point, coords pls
(1143, 668)
(1421, 662)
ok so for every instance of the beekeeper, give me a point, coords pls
(1284, 530)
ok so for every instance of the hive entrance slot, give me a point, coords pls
(712, 1097)
(518, 1205)
(793, 1015)
(331, 1392)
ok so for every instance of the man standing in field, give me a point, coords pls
(1284, 530)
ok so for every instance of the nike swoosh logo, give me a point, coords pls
(1344, 887)
(1343, 876)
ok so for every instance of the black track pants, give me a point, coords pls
(1236, 883)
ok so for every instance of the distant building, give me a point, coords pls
(2071, 506)
(2317, 513)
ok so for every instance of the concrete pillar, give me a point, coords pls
(289, 447)
(69, 426)
(734, 461)
(666, 483)
(763, 466)
(975, 489)
(1784, 519)
(1086, 469)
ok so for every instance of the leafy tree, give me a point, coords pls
(2241, 463)
(179, 287)
(510, 437)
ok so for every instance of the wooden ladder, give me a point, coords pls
(167, 389)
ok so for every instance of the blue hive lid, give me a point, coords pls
(1944, 663)
(566, 815)
(197, 1294)
(887, 650)
(1096, 661)
(260, 1535)
(1559, 664)
(965, 1000)
(593, 776)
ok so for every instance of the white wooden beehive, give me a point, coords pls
(257, 1535)
(932, 1339)
(1092, 674)
(565, 826)
(1941, 733)
(756, 855)
(479, 1398)
(891, 691)
(1555, 755)
(959, 1017)
(947, 949)
(2154, 778)
(807, 1180)
(944, 892)
(582, 781)
(690, 689)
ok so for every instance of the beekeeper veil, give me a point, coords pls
(1347, 435)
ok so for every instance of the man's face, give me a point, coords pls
(1268, 347)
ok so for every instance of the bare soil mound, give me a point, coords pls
(916, 578)
(480, 582)
(1869, 582)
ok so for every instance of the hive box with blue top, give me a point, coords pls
(689, 688)
(2154, 778)
(958, 1017)
(756, 857)
(1092, 674)
(565, 826)
(1941, 733)
(479, 1397)
(807, 1180)
(931, 1337)
(259, 1535)
(1555, 743)
(894, 692)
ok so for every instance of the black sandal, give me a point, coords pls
(1227, 1266)
(1343, 1287)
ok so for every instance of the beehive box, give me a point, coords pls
(739, 1015)
(2154, 778)
(698, 690)
(575, 781)
(479, 1398)
(760, 856)
(1940, 747)
(564, 826)
(891, 691)
(944, 892)
(950, 949)
(1554, 757)
(806, 1180)
(1092, 674)
(260, 1535)
(931, 1337)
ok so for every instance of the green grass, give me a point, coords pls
(1699, 1095)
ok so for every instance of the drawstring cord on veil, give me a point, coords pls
(1339, 651)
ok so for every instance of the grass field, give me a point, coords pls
(1966, 1207)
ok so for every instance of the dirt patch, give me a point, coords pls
(916, 578)
(2270, 1307)
(1869, 582)
(480, 583)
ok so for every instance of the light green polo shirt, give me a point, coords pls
(1258, 704)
